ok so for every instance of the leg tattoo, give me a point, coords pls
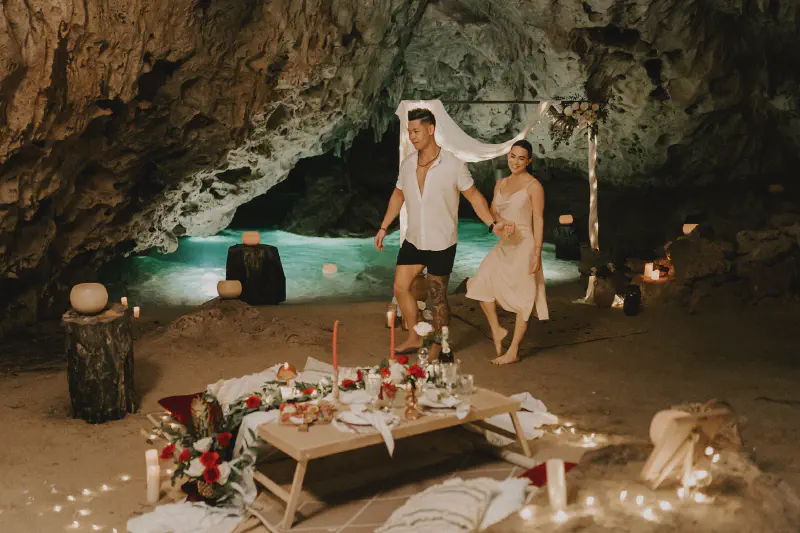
(437, 290)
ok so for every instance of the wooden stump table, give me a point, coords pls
(259, 269)
(100, 364)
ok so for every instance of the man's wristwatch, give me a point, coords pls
(384, 229)
(491, 227)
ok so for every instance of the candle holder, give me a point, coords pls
(412, 403)
(335, 391)
(391, 316)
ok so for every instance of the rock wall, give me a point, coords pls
(128, 124)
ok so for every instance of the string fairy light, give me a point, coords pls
(57, 508)
(649, 514)
(526, 513)
(665, 505)
(560, 516)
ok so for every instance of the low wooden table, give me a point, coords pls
(324, 440)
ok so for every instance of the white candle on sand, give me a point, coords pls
(151, 457)
(153, 484)
(648, 270)
(136, 311)
(124, 301)
(556, 484)
(655, 275)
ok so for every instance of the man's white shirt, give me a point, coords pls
(433, 215)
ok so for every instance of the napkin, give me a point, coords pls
(379, 420)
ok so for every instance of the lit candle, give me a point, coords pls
(390, 318)
(655, 275)
(124, 301)
(688, 228)
(556, 483)
(648, 270)
(153, 484)
(335, 354)
(136, 311)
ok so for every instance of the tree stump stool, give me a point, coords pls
(100, 364)
(567, 243)
(260, 271)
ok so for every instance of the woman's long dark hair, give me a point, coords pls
(525, 144)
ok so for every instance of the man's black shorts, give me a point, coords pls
(439, 263)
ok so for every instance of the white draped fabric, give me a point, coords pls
(452, 138)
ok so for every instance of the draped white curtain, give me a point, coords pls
(452, 138)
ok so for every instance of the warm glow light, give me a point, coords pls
(681, 492)
(526, 513)
(136, 310)
(655, 275)
(639, 500)
(648, 514)
(623, 495)
(560, 516)
(665, 505)
(85, 512)
(558, 431)
(71, 498)
(590, 500)
(715, 459)
(124, 301)
(57, 508)
(688, 228)
(125, 477)
(699, 497)
(709, 451)
(648, 270)
(76, 524)
(105, 488)
(87, 492)
(776, 187)
(96, 527)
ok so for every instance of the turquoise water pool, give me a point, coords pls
(189, 276)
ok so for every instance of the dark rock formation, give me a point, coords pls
(126, 126)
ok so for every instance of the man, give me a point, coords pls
(430, 182)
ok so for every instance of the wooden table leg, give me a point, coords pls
(520, 435)
(294, 494)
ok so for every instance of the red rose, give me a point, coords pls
(309, 391)
(385, 372)
(185, 455)
(209, 459)
(253, 402)
(402, 359)
(223, 439)
(416, 371)
(348, 383)
(359, 376)
(211, 475)
(168, 451)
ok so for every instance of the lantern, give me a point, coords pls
(689, 228)
(88, 298)
(251, 238)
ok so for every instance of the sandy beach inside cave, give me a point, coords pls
(744, 355)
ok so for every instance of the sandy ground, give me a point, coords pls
(745, 355)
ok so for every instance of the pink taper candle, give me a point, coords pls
(335, 355)
(391, 342)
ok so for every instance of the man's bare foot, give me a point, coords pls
(411, 343)
(511, 356)
(498, 336)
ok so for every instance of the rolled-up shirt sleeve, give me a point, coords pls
(465, 180)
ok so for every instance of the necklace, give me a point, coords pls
(431, 161)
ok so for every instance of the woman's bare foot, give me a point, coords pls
(498, 336)
(511, 356)
(410, 343)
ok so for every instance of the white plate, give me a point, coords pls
(352, 418)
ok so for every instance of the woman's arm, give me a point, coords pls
(536, 194)
(492, 208)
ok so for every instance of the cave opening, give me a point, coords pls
(327, 211)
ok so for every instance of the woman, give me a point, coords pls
(512, 272)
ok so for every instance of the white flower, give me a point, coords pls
(397, 372)
(423, 329)
(203, 445)
(421, 305)
(196, 468)
(224, 472)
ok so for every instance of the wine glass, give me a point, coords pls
(372, 384)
